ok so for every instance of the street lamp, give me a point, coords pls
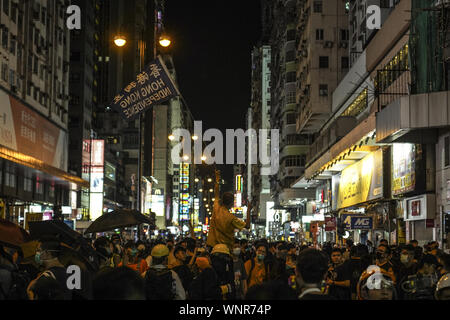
(194, 137)
(164, 40)
(209, 179)
(120, 40)
(185, 157)
(171, 137)
(203, 158)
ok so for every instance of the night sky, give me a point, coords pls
(212, 44)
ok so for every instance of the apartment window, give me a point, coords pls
(39, 188)
(319, 34)
(290, 118)
(323, 90)
(6, 7)
(12, 77)
(10, 175)
(344, 62)
(35, 93)
(4, 72)
(43, 15)
(317, 6)
(290, 97)
(290, 35)
(28, 181)
(41, 72)
(323, 62)
(13, 13)
(295, 161)
(290, 56)
(344, 34)
(447, 151)
(12, 46)
(35, 65)
(36, 38)
(5, 33)
(291, 76)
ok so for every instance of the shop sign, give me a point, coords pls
(32, 217)
(429, 223)
(330, 223)
(353, 222)
(25, 131)
(362, 181)
(403, 167)
(420, 207)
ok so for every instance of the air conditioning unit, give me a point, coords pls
(328, 44)
(343, 44)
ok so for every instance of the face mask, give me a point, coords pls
(261, 257)
(236, 251)
(37, 258)
(133, 252)
(404, 258)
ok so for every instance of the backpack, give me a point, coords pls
(19, 284)
(159, 285)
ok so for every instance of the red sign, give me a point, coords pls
(430, 223)
(415, 208)
(330, 223)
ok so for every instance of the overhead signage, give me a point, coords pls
(353, 222)
(152, 86)
(403, 167)
(362, 181)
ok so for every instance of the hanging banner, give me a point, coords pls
(362, 181)
(152, 86)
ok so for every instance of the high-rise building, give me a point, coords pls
(34, 106)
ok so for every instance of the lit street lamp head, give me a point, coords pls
(120, 41)
(171, 137)
(164, 41)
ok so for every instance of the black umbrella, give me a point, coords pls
(12, 234)
(117, 219)
(68, 236)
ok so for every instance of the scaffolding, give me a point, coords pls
(429, 45)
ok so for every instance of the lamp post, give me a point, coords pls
(120, 40)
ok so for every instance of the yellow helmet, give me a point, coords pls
(220, 248)
(160, 250)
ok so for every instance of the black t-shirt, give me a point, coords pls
(343, 272)
(311, 296)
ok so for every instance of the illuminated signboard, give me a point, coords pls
(239, 182)
(93, 165)
(403, 168)
(361, 181)
(184, 192)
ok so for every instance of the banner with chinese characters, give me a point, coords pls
(25, 131)
(152, 86)
(184, 193)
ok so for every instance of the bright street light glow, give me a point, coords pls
(203, 158)
(171, 137)
(120, 41)
(211, 190)
(196, 179)
(185, 157)
(201, 190)
(164, 42)
(194, 137)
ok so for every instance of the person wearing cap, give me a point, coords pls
(223, 222)
(161, 283)
(222, 263)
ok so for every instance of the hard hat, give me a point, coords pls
(220, 248)
(160, 250)
(374, 278)
(444, 282)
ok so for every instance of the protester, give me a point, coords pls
(376, 284)
(223, 222)
(118, 284)
(205, 285)
(46, 256)
(312, 266)
(161, 283)
(240, 275)
(258, 268)
(182, 268)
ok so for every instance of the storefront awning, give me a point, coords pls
(353, 147)
(36, 164)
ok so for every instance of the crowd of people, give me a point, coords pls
(189, 269)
